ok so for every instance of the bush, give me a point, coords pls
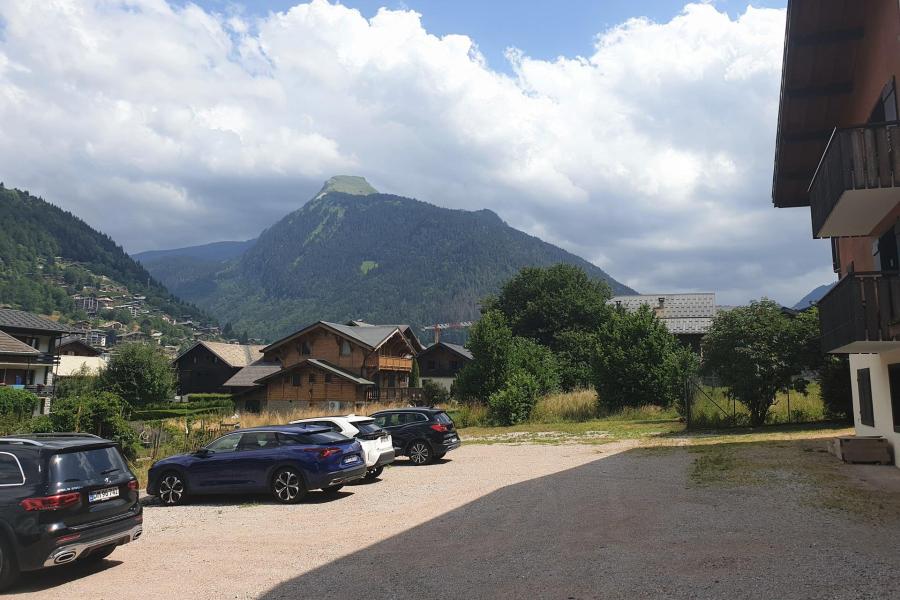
(139, 374)
(100, 413)
(16, 408)
(210, 399)
(434, 393)
(836, 390)
(514, 403)
(470, 415)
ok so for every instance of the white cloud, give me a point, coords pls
(652, 156)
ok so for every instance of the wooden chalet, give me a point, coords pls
(332, 365)
(29, 350)
(206, 366)
(441, 363)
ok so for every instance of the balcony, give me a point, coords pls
(856, 183)
(390, 363)
(861, 314)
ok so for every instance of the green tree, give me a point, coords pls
(836, 390)
(140, 374)
(414, 374)
(559, 307)
(515, 401)
(639, 362)
(100, 413)
(757, 351)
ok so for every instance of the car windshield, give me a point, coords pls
(366, 427)
(86, 465)
(444, 418)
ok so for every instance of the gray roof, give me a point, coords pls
(680, 313)
(370, 335)
(10, 345)
(461, 350)
(247, 376)
(19, 319)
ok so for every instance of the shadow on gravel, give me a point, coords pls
(631, 525)
(405, 462)
(46, 579)
(314, 497)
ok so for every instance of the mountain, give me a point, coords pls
(354, 253)
(47, 254)
(813, 296)
(215, 252)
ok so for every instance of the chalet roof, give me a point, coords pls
(370, 336)
(455, 348)
(74, 339)
(248, 375)
(680, 313)
(321, 364)
(10, 345)
(19, 319)
(233, 355)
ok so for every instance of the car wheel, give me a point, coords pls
(9, 569)
(287, 486)
(419, 452)
(375, 473)
(97, 555)
(172, 489)
(331, 490)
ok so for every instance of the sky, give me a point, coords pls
(639, 135)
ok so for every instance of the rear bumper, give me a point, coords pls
(386, 458)
(340, 477)
(446, 446)
(71, 552)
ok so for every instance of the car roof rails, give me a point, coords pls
(15, 440)
(69, 434)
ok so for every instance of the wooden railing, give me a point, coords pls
(407, 395)
(390, 363)
(856, 158)
(862, 307)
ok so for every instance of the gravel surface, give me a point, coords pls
(526, 521)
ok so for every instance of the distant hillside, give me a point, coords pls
(352, 252)
(215, 252)
(813, 296)
(44, 249)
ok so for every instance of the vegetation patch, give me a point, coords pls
(367, 265)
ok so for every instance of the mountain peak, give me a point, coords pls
(347, 184)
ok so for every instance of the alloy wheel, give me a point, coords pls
(287, 486)
(419, 453)
(171, 489)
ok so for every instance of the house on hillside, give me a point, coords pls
(76, 356)
(687, 316)
(206, 366)
(441, 363)
(332, 365)
(837, 151)
(28, 350)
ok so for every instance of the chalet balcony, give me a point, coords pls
(390, 363)
(857, 182)
(861, 314)
(405, 395)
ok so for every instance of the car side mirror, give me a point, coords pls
(203, 452)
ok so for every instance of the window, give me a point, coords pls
(345, 348)
(10, 470)
(257, 440)
(305, 350)
(431, 365)
(894, 378)
(391, 380)
(295, 379)
(864, 385)
(86, 465)
(327, 377)
(226, 443)
(454, 364)
(312, 378)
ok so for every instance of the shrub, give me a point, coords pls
(434, 393)
(470, 415)
(212, 399)
(139, 374)
(100, 413)
(16, 407)
(836, 390)
(515, 402)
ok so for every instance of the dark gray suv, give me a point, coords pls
(422, 434)
(63, 497)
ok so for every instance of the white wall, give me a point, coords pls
(881, 396)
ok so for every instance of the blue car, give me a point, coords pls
(286, 460)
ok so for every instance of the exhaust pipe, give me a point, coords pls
(65, 557)
(137, 534)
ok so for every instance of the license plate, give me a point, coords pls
(350, 459)
(104, 494)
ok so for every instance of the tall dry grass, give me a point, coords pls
(269, 417)
(578, 405)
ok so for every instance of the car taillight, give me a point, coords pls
(57, 502)
(133, 485)
(440, 427)
(324, 452)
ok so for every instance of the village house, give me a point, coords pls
(838, 152)
(206, 366)
(441, 362)
(77, 356)
(687, 316)
(336, 366)
(28, 350)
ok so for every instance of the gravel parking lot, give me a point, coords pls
(532, 521)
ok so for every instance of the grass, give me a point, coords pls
(713, 409)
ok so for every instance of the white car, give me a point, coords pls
(377, 445)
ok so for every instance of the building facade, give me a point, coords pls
(838, 153)
(441, 362)
(687, 316)
(206, 366)
(29, 350)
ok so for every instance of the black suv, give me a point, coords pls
(422, 434)
(63, 497)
